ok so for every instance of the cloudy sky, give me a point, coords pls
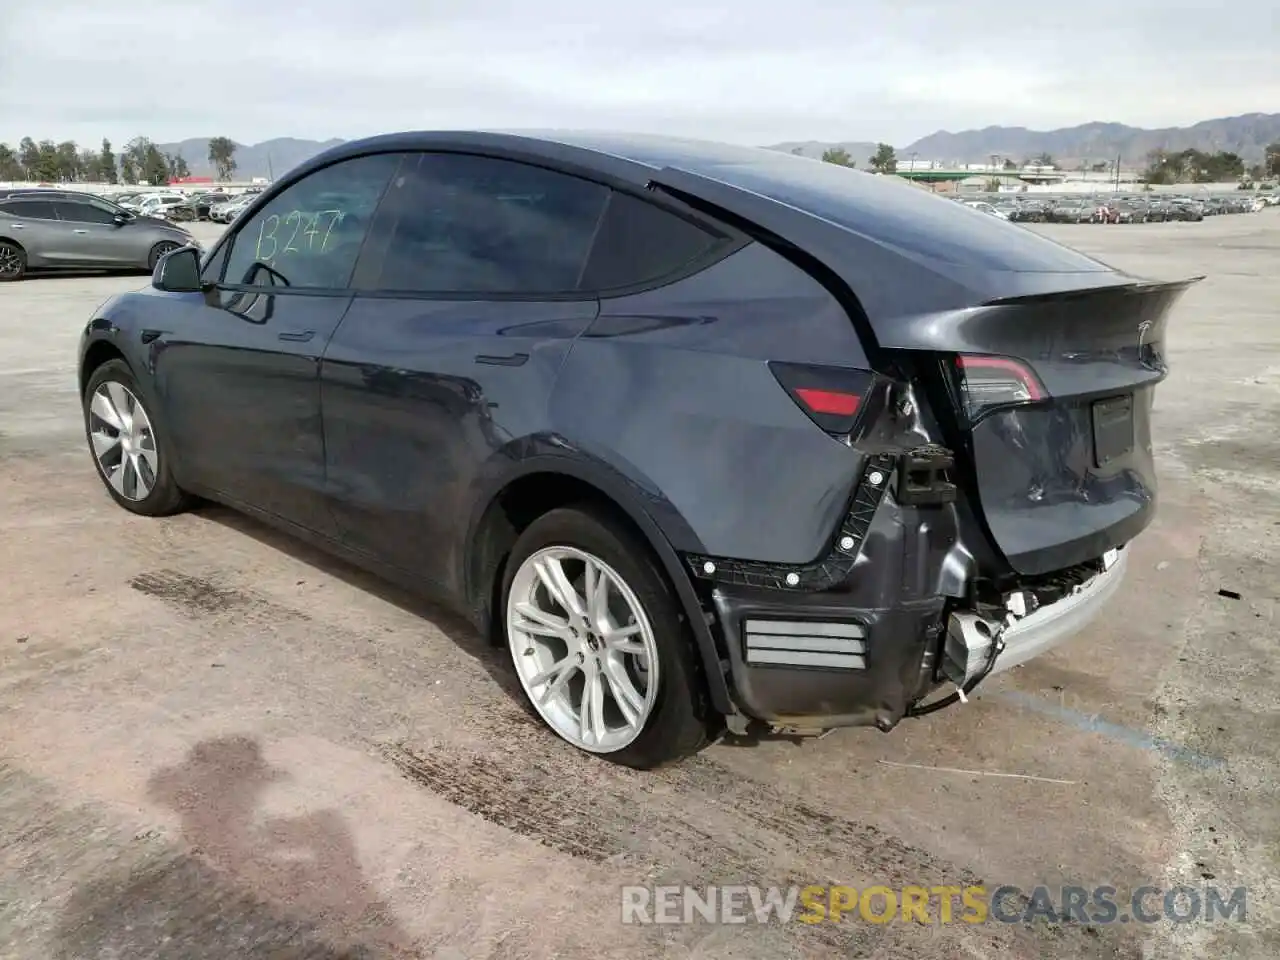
(748, 71)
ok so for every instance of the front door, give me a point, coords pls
(94, 237)
(238, 370)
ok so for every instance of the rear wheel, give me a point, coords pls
(13, 261)
(599, 644)
(129, 451)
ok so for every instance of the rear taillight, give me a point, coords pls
(990, 382)
(831, 396)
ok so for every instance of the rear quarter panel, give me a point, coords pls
(672, 388)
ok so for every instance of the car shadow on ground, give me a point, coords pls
(492, 657)
(311, 899)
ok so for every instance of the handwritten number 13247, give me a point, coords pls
(295, 232)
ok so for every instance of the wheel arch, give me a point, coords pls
(542, 483)
(95, 355)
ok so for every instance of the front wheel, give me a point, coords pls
(599, 643)
(131, 455)
(158, 251)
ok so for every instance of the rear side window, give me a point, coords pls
(639, 242)
(465, 224)
(31, 209)
(309, 235)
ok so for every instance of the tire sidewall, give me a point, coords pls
(165, 496)
(679, 714)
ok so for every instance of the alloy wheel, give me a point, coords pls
(160, 249)
(10, 261)
(583, 647)
(124, 443)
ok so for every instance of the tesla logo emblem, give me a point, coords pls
(1143, 327)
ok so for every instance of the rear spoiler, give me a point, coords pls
(1127, 287)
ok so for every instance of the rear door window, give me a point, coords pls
(467, 224)
(31, 209)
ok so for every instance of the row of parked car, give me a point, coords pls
(216, 205)
(1115, 209)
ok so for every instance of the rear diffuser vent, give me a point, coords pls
(800, 643)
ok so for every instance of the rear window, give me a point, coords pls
(894, 213)
(905, 217)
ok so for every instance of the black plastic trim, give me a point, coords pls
(924, 477)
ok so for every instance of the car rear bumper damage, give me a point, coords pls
(804, 663)
(1051, 625)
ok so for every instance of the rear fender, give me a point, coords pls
(623, 486)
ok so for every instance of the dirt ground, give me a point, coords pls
(216, 743)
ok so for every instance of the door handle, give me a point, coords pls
(15, 226)
(79, 231)
(510, 360)
(297, 336)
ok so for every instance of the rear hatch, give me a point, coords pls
(1042, 361)
(1052, 397)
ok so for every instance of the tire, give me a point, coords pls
(142, 458)
(670, 715)
(13, 261)
(158, 251)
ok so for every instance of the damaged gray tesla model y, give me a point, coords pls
(709, 438)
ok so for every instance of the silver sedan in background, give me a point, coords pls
(61, 232)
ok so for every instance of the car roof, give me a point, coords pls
(852, 218)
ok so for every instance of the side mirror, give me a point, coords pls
(178, 272)
(121, 219)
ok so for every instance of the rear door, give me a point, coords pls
(35, 224)
(467, 302)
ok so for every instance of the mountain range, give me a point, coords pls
(270, 158)
(1247, 135)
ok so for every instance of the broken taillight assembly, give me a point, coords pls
(831, 396)
(987, 383)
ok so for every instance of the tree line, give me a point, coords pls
(1195, 166)
(884, 160)
(139, 160)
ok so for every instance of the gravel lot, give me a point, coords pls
(217, 743)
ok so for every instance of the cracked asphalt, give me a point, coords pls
(216, 742)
